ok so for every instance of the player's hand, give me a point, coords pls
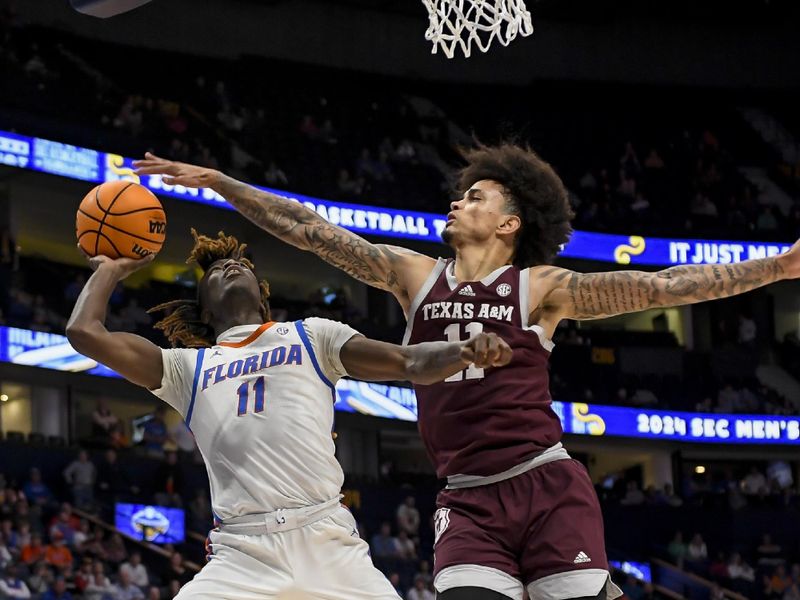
(121, 266)
(486, 350)
(176, 173)
(790, 262)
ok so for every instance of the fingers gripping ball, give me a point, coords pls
(120, 218)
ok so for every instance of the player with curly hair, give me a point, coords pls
(259, 396)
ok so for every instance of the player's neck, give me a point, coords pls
(235, 319)
(473, 263)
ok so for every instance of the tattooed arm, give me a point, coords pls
(379, 265)
(570, 295)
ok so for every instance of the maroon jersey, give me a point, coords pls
(483, 422)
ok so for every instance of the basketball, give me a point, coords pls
(120, 218)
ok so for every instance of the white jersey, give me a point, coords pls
(260, 405)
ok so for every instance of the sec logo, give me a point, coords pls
(503, 289)
(283, 330)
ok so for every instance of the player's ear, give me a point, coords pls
(510, 224)
(205, 316)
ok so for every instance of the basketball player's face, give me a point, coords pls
(229, 284)
(476, 217)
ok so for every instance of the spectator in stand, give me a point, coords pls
(394, 579)
(754, 482)
(136, 570)
(747, 331)
(153, 593)
(308, 127)
(200, 511)
(5, 554)
(348, 187)
(36, 490)
(182, 437)
(82, 536)
(776, 584)
(126, 589)
(424, 571)
(177, 571)
(703, 207)
(115, 551)
(718, 569)
(738, 569)
(134, 318)
(117, 437)
(408, 517)
(384, 544)
(84, 575)
(365, 165)
(99, 586)
(717, 593)
(65, 523)
(102, 422)
(96, 546)
(155, 432)
(767, 220)
(697, 553)
(728, 399)
(274, 175)
(57, 554)
(768, 552)
(670, 498)
(58, 591)
(677, 549)
(40, 579)
(11, 586)
(23, 535)
(113, 481)
(633, 495)
(420, 591)
(168, 480)
(33, 552)
(10, 537)
(405, 546)
(792, 592)
(81, 475)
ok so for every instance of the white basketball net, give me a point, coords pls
(460, 23)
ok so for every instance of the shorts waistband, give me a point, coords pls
(556, 452)
(283, 519)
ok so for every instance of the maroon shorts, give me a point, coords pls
(540, 523)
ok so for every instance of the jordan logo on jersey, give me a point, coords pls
(441, 521)
(466, 310)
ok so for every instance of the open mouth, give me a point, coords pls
(232, 271)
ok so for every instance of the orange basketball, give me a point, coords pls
(120, 218)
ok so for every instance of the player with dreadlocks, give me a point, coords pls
(258, 396)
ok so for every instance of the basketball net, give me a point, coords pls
(460, 23)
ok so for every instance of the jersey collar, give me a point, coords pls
(242, 335)
(450, 274)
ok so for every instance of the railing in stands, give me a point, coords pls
(693, 587)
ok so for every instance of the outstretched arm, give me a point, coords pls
(138, 360)
(378, 265)
(424, 363)
(571, 295)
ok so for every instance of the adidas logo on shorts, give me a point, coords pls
(581, 558)
(466, 291)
